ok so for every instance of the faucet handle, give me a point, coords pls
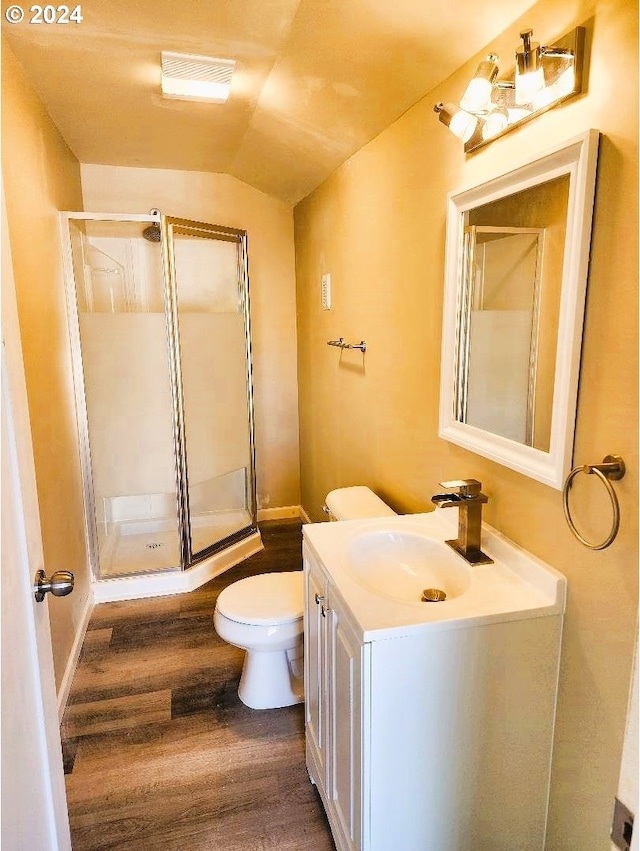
(465, 487)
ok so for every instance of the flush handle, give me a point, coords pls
(60, 584)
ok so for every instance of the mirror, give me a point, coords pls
(515, 284)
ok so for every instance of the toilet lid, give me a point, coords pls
(268, 599)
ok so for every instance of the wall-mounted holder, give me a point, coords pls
(341, 343)
(611, 469)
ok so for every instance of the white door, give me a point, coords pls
(34, 808)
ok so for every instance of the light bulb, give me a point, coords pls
(529, 73)
(462, 124)
(529, 85)
(495, 123)
(562, 87)
(477, 96)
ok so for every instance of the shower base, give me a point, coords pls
(151, 546)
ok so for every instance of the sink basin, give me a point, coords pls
(380, 567)
(401, 565)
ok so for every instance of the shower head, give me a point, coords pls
(152, 233)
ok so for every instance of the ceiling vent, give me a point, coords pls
(196, 77)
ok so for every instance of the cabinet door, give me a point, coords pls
(315, 669)
(345, 688)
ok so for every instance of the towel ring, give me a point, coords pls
(612, 468)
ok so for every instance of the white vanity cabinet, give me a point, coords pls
(315, 669)
(333, 712)
(429, 738)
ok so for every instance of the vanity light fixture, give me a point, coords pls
(196, 77)
(542, 78)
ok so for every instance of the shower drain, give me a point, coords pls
(153, 546)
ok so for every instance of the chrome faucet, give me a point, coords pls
(468, 499)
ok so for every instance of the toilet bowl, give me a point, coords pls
(263, 616)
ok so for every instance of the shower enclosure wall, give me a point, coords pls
(159, 314)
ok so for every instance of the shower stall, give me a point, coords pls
(160, 335)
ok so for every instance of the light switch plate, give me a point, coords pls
(326, 291)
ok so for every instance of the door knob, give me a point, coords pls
(60, 584)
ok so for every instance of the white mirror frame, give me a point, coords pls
(578, 159)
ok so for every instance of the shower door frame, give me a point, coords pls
(166, 224)
(470, 297)
(203, 229)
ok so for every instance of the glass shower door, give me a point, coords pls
(123, 369)
(208, 268)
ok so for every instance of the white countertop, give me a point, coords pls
(517, 586)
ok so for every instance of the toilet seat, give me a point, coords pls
(268, 599)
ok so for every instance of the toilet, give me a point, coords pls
(263, 616)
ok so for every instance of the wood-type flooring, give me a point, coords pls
(159, 751)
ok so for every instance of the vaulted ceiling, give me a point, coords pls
(315, 80)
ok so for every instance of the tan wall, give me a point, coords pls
(378, 225)
(224, 200)
(41, 176)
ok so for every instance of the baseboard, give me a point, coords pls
(74, 656)
(284, 512)
(304, 516)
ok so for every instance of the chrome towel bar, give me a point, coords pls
(341, 343)
(611, 469)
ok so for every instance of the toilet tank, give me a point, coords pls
(356, 503)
